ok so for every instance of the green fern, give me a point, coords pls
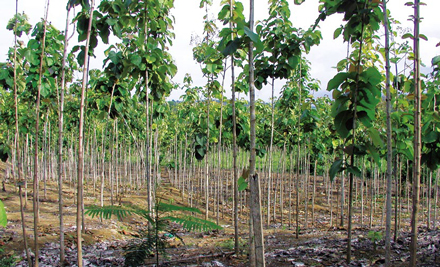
(163, 207)
(121, 212)
(191, 223)
(151, 242)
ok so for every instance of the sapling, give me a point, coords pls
(375, 237)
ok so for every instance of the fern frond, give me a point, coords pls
(106, 212)
(163, 207)
(191, 223)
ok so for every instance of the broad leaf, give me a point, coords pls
(435, 60)
(354, 170)
(431, 137)
(242, 184)
(337, 32)
(335, 168)
(375, 137)
(373, 153)
(3, 219)
(342, 121)
(254, 37)
(337, 80)
(231, 47)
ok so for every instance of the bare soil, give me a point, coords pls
(104, 240)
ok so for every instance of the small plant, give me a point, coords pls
(151, 242)
(230, 244)
(6, 260)
(375, 237)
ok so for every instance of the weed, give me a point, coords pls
(7, 260)
(375, 237)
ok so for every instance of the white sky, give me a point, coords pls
(189, 21)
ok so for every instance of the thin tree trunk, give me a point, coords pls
(60, 141)
(254, 182)
(207, 156)
(314, 192)
(428, 201)
(234, 145)
(37, 122)
(341, 205)
(389, 138)
(80, 173)
(269, 177)
(417, 139)
(17, 143)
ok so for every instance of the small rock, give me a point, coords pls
(217, 264)
(298, 264)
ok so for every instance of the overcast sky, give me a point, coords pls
(189, 19)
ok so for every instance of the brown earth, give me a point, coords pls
(318, 245)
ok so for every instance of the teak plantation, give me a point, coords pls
(106, 164)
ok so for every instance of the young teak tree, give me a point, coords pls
(80, 178)
(417, 137)
(389, 138)
(255, 198)
(35, 184)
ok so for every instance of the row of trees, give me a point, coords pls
(118, 116)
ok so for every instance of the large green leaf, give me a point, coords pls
(242, 184)
(231, 47)
(254, 37)
(337, 32)
(354, 170)
(335, 168)
(337, 80)
(375, 137)
(3, 219)
(372, 75)
(293, 61)
(342, 123)
(430, 137)
(373, 153)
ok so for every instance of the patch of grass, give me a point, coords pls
(230, 244)
(7, 260)
(375, 237)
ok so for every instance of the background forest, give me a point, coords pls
(365, 158)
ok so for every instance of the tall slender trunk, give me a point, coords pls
(417, 138)
(37, 122)
(60, 141)
(17, 144)
(219, 150)
(352, 158)
(428, 200)
(80, 174)
(342, 204)
(269, 176)
(389, 139)
(314, 192)
(234, 144)
(207, 155)
(253, 177)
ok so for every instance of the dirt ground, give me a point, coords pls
(104, 240)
